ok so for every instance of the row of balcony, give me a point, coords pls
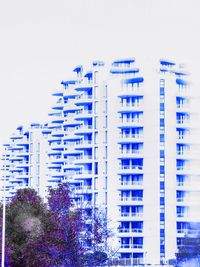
(131, 230)
(140, 246)
(131, 214)
(126, 199)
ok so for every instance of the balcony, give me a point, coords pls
(22, 175)
(84, 100)
(130, 138)
(84, 129)
(134, 153)
(131, 215)
(182, 91)
(84, 159)
(188, 185)
(126, 123)
(182, 108)
(131, 200)
(83, 189)
(83, 174)
(82, 114)
(131, 184)
(130, 90)
(131, 248)
(70, 108)
(129, 169)
(131, 230)
(131, 108)
(183, 123)
(83, 144)
(70, 121)
(58, 106)
(70, 93)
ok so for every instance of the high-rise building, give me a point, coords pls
(24, 161)
(124, 137)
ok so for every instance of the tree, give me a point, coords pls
(8, 261)
(68, 226)
(190, 247)
(53, 234)
(28, 223)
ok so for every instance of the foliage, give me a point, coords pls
(97, 258)
(190, 248)
(66, 235)
(28, 222)
(53, 234)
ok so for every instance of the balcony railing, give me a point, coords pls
(131, 245)
(131, 167)
(131, 183)
(131, 151)
(132, 214)
(131, 198)
(133, 136)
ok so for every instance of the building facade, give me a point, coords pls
(24, 161)
(124, 137)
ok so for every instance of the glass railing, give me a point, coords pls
(131, 183)
(131, 198)
(134, 136)
(133, 151)
(131, 167)
(131, 230)
(132, 214)
(131, 245)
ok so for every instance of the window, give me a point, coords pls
(162, 201)
(162, 169)
(162, 91)
(162, 122)
(162, 106)
(162, 185)
(162, 216)
(162, 153)
(162, 138)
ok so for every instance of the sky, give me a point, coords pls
(42, 40)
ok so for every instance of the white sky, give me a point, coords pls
(42, 40)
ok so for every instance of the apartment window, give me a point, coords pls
(162, 216)
(162, 138)
(162, 248)
(162, 232)
(162, 122)
(96, 168)
(162, 91)
(95, 122)
(162, 185)
(162, 169)
(162, 201)
(95, 138)
(162, 106)
(162, 153)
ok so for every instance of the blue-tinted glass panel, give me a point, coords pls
(162, 122)
(162, 153)
(162, 185)
(162, 137)
(162, 106)
(162, 201)
(162, 169)
(162, 91)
